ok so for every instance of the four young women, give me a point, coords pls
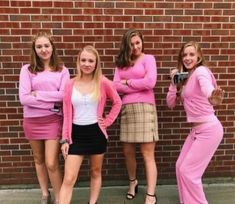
(44, 84)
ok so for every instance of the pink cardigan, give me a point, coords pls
(107, 91)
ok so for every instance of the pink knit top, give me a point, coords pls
(49, 88)
(141, 78)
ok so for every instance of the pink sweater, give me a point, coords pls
(195, 96)
(49, 88)
(107, 91)
(141, 81)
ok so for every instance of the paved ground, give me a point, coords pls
(167, 194)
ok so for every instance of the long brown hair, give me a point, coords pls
(97, 74)
(124, 57)
(36, 65)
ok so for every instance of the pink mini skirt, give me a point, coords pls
(43, 128)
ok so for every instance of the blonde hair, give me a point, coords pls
(200, 61)
(97, 74)
(36, 65)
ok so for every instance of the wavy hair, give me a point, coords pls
(36, 65)
(124, 57)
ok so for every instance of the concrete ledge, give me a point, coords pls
(109, 183)
(217, 193)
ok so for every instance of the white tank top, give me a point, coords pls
(84, 108)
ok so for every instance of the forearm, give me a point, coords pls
(31, 101)
(171, 98)
(49, 96)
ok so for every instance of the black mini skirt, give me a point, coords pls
(87, 140)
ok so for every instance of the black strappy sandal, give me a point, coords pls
(152, 196)
(130, 196)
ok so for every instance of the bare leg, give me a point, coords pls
(129, 150)
(147, 150)
(39, 159)
(53, 167)
(72, 167)
(96, 177)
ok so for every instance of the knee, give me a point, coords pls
(183, 171)
(148, 156)
(128, 152)
(52, 166)
(69, 180)
(39, 160)
(95, 173)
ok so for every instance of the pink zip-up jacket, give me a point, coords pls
(107, 91)
(195, 95)
(142, 77)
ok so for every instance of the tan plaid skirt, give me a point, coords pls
(139, 123)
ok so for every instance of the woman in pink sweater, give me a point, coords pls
(135, 78)
(85, 124)
(198, 93)
(41, 89)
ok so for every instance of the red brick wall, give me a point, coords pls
(166, 24)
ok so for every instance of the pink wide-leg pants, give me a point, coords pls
(197, 151)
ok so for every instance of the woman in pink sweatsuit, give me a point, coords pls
(198, 93)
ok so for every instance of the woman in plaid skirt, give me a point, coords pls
(135, 78)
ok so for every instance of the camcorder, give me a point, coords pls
(180, 77)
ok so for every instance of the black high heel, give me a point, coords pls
(147, 194)
(130, 196)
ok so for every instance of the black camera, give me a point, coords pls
(180, 77)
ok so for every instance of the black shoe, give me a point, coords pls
(152, 196)
(130, 196)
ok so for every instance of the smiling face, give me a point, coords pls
(136, 46)
(43, 48)
(190, 57)
(87, 63)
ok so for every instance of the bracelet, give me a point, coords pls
(63, 141)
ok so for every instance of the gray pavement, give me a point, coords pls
(167, 194)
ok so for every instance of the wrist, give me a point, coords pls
(127, 83)
(63, 141)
